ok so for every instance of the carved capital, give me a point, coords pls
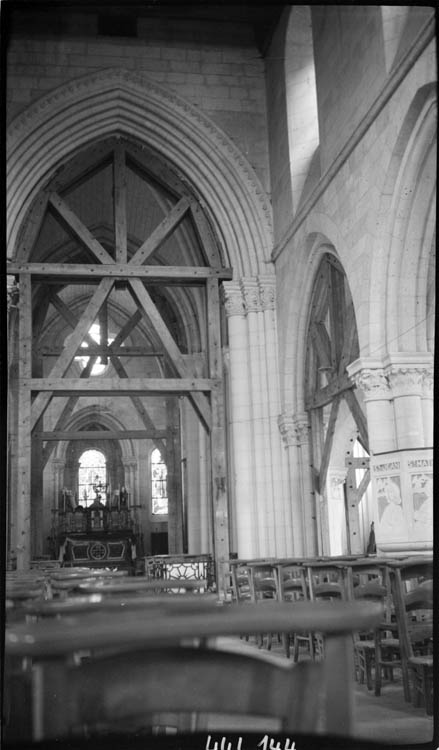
(294, 429)
(267, 292)
(250, 292)
(406, 380)
(427, 383)
(233, 298)
(286, 428)
(373, 383)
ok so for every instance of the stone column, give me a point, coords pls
(370, 377)
(58, 466)
(130, 476)
(276, 463)
(243, 479)
(295, 431)
(406, 381)
(338, 542)
(258, 397)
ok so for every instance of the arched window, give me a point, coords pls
(159, 484)
(92, 471)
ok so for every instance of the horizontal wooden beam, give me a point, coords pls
(119, 386)
(100, 351)
(101, 435)
(120, 271)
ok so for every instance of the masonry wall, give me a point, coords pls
(226, 81)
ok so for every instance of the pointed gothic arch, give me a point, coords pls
(119, 101)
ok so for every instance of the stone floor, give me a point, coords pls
(384, 719)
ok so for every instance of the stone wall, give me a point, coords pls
(225, 82)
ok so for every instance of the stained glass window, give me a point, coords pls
(92, 470)
(159, 481)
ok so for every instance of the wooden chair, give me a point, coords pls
(291, 587)
(128, 691)
(412, 591)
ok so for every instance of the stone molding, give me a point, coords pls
(120, 101)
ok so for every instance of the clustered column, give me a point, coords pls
(301, 508)
(259, 475)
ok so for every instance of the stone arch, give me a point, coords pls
(117, 101)
(406, 224)
(323, 238)
(85, 416)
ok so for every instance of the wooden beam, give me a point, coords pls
(21, 533)
(67, 411)
(119, 386)
(120, 207)
(126, 330)
(79, 229)
(324, 396)
(70, 317)
(322, 343)
(161, 233)
(120, 271)
(337, 305)
(349, 353)
(140, 408)
(208, 242)
(358, 415)
(326, 453)
(99, 351)
(77, 337)
(100, 435)
(219, 507)
(173, 465)
(171, 349)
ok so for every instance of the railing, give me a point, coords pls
(182, 566)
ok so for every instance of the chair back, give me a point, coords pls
(156, 672)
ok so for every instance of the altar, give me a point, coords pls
(105, 533)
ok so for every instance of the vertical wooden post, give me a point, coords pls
(175, 510)
(220, 516)
(37, 468)
(22, 539)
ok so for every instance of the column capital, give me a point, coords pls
(267, 292)
(251, 295)
(370, 377)
(130, 463)
(409, 373)
(233, 298)
(294, 429)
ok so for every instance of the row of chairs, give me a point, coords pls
(87, 672)
(404, 587)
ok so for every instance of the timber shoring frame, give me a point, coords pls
(105, 272)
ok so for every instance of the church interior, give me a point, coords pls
(220, 275)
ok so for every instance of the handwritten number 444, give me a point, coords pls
(268, 743)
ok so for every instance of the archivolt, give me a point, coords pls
(118, 101)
